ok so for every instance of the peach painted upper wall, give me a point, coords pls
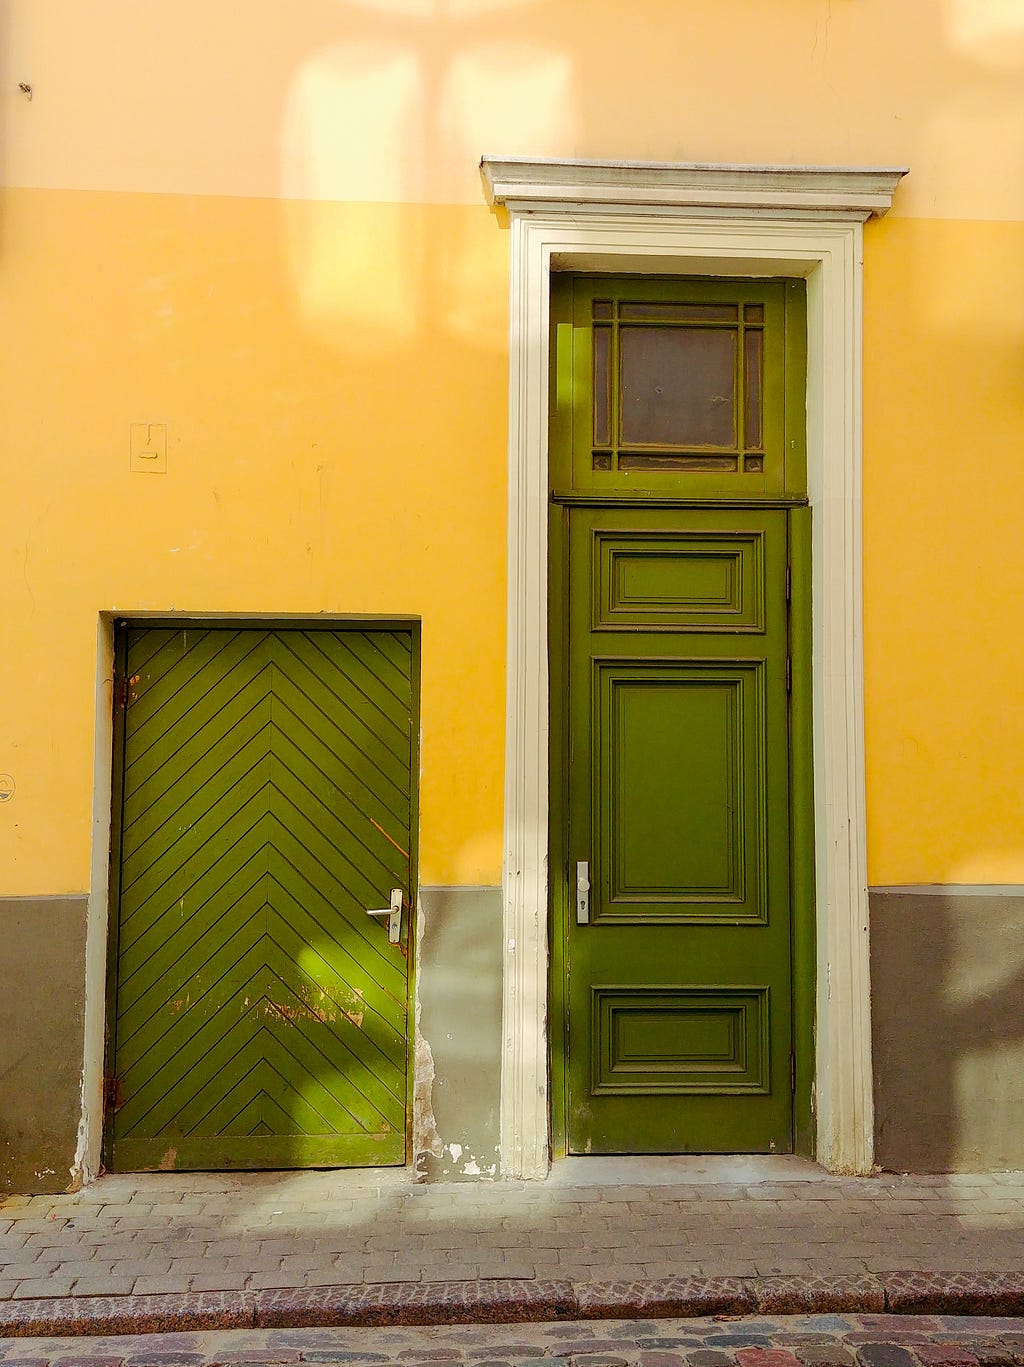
(395, 100)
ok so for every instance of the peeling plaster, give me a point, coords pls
(426, 1142)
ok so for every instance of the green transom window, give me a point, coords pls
(678, 385)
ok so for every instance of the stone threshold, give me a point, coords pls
(510, 1302)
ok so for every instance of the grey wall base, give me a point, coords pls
(947, 984)
(459, 1044)
(947, 969)
(42, 1007)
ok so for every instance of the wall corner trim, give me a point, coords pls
(856, 192)
(582, 222)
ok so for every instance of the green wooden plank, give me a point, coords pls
(262, 1114)
(304, 1104)
(318, 902)
(154, 708)
(330, 971)
(373, 1065)
(169, 908)
(329, 665)
(331, 807)
(802, 809)
(360, 782)
(229, 815)
(249, 1039)
(154, 650)
(340, 708)
(236, 719)
(364, 653)
(190, 965)
(216, 1029)
(356, 679)
(270, 1153)
(194, 792)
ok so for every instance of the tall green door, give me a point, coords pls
(675, 477)
(679, 966)
(265, 803)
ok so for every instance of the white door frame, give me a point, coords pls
(663, 218)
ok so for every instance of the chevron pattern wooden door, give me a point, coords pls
(266, 800)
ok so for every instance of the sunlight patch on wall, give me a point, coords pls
(991, 31)
(983, 981)
(353, 131)
(437, 9)
(483, 109)
(472, 287)
(355, 272)
(353, 125)
(372, 124)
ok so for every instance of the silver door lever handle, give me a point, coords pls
(394, 915)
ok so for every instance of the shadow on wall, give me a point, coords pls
(947, 975)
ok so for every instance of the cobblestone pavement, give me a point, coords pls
(785, 1341)
(167, 1233)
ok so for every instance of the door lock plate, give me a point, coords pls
(583, 892)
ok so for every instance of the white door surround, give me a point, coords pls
(662, 218)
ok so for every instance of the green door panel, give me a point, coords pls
(678, 988)
(265, 801)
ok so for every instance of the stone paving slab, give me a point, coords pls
(167, 1233)
(722, 1341)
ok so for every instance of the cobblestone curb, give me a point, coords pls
(719, 1341)
(516, 1302)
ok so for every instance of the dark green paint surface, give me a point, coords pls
(266, 801)
(678, 990)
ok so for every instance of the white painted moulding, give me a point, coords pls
(828, 191)
(631, 222)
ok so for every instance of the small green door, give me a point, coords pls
(264, 803)
(675, 467)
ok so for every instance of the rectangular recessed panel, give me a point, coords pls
(693, 461)
(753, 385)
(602, 386)
(680, 313)
(658, 1040)
(681, 787)
(679, 580)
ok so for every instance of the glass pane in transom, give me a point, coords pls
(678, 387)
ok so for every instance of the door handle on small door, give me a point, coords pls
(583, 892)
(394, 915)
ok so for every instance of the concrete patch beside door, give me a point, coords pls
(458, 1048)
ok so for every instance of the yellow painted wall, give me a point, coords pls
(264, 226)
(396, 99)
(337, 438)
(944, 550)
